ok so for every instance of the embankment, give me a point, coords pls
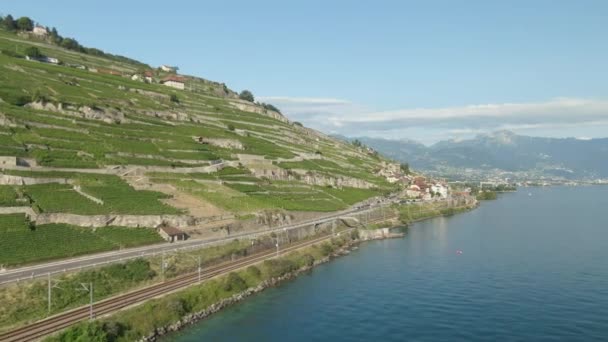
(158, 317)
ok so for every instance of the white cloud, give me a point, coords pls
(431, 124)
(302, 100)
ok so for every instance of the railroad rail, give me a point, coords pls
(35, 331)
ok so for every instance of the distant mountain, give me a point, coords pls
(505, 151)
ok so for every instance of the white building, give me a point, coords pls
(440, 189)
(168, 68)
(174, 82)
(40, 31)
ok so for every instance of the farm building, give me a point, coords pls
(40, 31)
(168, 68)
(173, 81)
(172, 234)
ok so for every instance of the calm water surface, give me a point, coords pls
(534, 267)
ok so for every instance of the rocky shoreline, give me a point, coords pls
(193, 318)
(190, 319)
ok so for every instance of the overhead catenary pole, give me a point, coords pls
(49, 293)
(199, 269)
(91, 305)
(162, 266)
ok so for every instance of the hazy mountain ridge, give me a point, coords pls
(504, 150)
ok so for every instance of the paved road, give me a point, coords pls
(42, 270)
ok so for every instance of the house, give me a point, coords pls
(148, 76)
(413, 191)
(168, 68)
(137, 77)
(171, 234)
(174, 81)
(40, 31)
(440, 189)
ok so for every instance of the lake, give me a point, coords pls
(530, 266)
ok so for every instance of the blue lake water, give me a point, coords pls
(534, 267)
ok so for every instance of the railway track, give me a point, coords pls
(61, 321)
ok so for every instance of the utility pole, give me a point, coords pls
(162, 266)
(49, 294)
(51, 286)
(199, 269)
(90, 290)
(91, 306)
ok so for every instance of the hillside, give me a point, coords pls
(98, 140)
(504, 151)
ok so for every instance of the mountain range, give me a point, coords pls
(568, 158)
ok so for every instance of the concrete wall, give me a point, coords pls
(17, 180)
(149, 221)
(8, 161)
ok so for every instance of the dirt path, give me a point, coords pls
(192, 205)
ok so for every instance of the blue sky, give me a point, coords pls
(424, 70)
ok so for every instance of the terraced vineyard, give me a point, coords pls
(89, 137)
(22, 242)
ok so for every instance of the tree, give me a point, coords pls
(32, 51)
(268, 106)
(231, 127)
(70, 44)
(8, 23)
(25, 24)
(174, 98)
(357, 143)
(405, 167)
(246, 95)
(55, 37)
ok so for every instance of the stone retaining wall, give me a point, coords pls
(18, 180)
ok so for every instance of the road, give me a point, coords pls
(44, 269)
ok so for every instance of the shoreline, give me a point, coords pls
(194, 318)
(197, 317)
(137, 328)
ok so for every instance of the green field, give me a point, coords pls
(22, 243)
(8, 196)
(118, 197)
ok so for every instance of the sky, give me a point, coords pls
(422, 70)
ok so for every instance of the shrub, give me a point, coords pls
(32, 51)
(326, 249)
(177, 306)
(231, 127)
(307, 260)
(268, 106)
(246, 95)
(254, 271)
(90, 331)
(174, 98)
(113, 330)
(25, 24)
(278, 267)
(234, 282)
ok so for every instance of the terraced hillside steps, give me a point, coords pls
(84, 143)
